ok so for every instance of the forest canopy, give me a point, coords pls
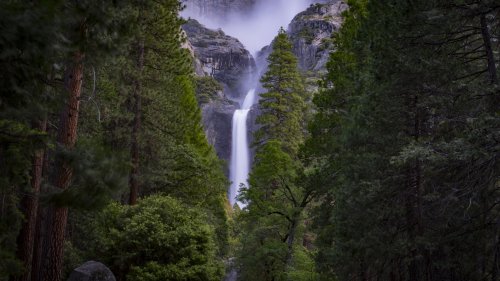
(387, 169)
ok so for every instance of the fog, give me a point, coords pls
(255, 28)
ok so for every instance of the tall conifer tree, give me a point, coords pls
(276, 195)
(282, 104)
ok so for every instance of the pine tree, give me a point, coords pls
(75, 69)
(276, 195)
(395, 108)
(282, 104)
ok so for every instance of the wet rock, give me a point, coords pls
(217, 122)
(91, 271)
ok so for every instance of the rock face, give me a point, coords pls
(91, 271)
(220, 56)
(225, 59)
(217, 121)
(311, 31)
(219, 9)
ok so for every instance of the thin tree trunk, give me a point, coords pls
(40, 234)
(63, 172)
(492, 70)
(40, 228)
(134, 150)
(29, 203)
(290, 240)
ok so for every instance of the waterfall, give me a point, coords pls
(240, 151)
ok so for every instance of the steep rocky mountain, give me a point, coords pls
(220, 56)
(310, 32)
(222, 64)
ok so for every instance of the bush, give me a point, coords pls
(207, 89)
(158, 239)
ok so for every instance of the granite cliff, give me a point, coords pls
(220, 56)
(311, 32)
(222, 65)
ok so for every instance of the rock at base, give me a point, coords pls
(91, 271)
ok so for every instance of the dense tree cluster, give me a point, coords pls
(276, 195)
(103, 157)
(407, 135)
(399, 175)
(98, 105)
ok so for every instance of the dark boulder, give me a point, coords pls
(91, 271)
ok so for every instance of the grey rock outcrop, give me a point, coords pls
(217, 121)
(225, 59)
(311, 35)
(311, 32)
(220, 56)
(91, 271)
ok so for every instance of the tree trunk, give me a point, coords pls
(492, 70)
(40, 228)
(134, 150)
(29, 205)
(63, 172)
(40, 234)
(290, 240)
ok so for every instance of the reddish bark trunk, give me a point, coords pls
(134, 150)
(40, 229)
(29, 203)
(38, 245)
(62, 178)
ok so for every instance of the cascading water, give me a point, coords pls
(240, 152)
(255, 28)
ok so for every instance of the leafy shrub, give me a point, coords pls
(207, 89)
(157, 239)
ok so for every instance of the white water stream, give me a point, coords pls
(240, 151)
(255, 28)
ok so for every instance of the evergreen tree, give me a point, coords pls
(276, 196)
(401, 115)
(74, 66)
(282, 104)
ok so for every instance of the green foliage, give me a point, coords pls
(398, 150)
(24, 50)
(276, 196)
(158, 239)
(304, 268)
(175, 157)
(37, 40)
(307, 34)
(207, 89)
(99, 175)
(282, 104)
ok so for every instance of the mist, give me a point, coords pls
(255, 28)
